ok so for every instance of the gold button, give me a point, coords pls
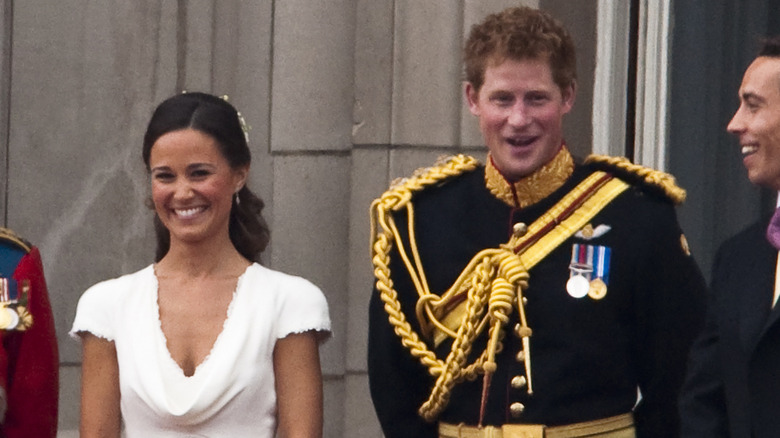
(521, 356)
(516, 409)
(518, 382)
(525, 300)
(519, 229)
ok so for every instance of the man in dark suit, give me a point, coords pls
(733, 383)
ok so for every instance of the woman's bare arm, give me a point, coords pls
(100, 413)
(298, 386)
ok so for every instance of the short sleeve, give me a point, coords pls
(303, 308)
(95, 312)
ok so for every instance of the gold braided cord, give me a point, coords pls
(396, 198)
(662, 180)
(499, 302)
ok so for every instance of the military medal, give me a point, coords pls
(598, 285)
(577, 286)
(9, 319)
(597, 289)
(11, 304)
(589, 270)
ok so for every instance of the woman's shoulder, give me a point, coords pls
(279, 280)
(283, 289)
(117, 284)
(101, 306)
(299, 305)
(112, 290)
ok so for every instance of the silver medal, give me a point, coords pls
(577, 286)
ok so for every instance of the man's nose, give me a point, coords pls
(518, 115)
(736, 125)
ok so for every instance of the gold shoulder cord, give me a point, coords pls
(495, 277)
(653, 177)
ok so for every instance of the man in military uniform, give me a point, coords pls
(533, 296)
(29, 363)
(733, 384)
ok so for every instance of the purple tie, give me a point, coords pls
(773, 230)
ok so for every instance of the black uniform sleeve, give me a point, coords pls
(702, 402)
(399, 383)
(670, 302)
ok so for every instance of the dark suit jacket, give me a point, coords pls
(733, 383)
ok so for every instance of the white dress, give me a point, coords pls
(231, 393)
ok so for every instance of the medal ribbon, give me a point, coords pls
(601, 264)
(8, 290)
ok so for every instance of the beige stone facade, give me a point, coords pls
(342, 97)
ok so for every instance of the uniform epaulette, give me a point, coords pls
(652, 181)
(444, 168)
(7, 235)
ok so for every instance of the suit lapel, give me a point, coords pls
(756, 315)
(774, 314)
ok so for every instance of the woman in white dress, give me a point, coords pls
(204, 342)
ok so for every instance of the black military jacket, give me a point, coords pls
(588, 356)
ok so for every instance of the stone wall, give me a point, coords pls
(342, 97)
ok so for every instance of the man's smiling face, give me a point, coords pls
(757, 122)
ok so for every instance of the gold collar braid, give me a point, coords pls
(534, 187)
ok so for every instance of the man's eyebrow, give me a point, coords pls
(750, 95)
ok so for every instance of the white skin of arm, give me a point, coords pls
(298, 386)
(100, 412)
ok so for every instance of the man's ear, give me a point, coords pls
(568, 96)
(472, 97)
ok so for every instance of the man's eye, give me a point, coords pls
(537, 99)
(502, 100)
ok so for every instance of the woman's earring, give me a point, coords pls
(238, 200)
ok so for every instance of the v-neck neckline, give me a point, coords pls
(217, 341)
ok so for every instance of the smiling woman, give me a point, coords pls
(205, 341)
(193, 185)
(216, 119)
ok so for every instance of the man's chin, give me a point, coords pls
(760, 180)
(516, 173)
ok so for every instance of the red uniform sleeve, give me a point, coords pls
(32, 376)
